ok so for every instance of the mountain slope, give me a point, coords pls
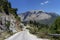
(38, 16)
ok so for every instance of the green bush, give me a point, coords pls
(7, 24)
(55, 28)
(40, 30)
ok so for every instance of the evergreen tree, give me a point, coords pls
(55, 28)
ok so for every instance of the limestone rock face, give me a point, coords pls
(4, 19)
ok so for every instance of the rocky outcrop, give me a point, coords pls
(4, 19)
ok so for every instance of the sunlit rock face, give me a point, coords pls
(38, 16)
(7, 18)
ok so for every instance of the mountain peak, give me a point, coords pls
(39, 16)
(36, 11)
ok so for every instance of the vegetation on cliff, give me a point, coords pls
(5, 7)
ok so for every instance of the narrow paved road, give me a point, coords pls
(24, 35)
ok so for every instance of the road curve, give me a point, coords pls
(24, 35)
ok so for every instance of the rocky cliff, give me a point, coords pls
(9, 20)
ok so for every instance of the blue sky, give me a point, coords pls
(28, 5)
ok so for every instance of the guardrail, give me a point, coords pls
(56, 35)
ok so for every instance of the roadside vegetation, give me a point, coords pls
(38, 29)
(44, 31)
(55, 29)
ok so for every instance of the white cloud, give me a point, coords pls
(46, 2)
(42, 3)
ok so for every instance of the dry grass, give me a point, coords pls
(5, 35)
